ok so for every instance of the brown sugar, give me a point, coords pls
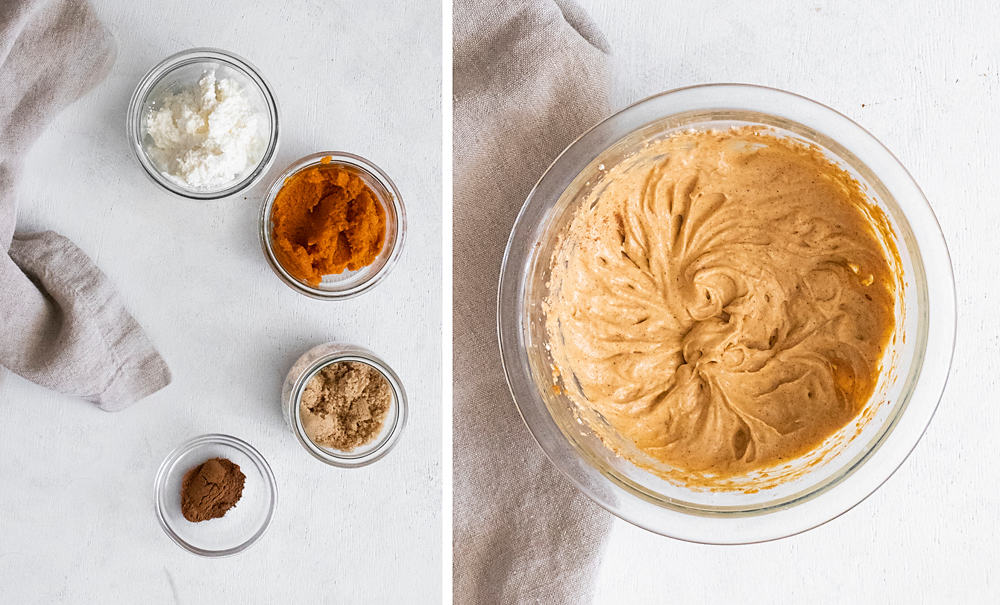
(345, 405)
(325, 220)
(210, 489)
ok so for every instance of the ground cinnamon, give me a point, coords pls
(326, 219)
(210, 489)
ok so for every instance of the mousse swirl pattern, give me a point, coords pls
(724, 300)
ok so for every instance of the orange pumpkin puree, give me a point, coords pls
(326, 219)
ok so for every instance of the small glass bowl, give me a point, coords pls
(307, 366)
(833, 479)
(243, 524)
(183, 70)
(347, 284)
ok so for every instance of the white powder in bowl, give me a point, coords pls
(206, 136)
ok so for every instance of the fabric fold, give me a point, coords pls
(528, 79)
(62, 324)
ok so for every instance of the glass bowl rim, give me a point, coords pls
(796, 518)
(396, 206)
(134, 118)
(215, 439)
(328, 455)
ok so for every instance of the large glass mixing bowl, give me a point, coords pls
(802, 493)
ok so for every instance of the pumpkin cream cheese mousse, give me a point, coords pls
(724, 299)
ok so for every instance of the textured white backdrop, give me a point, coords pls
(76, 505)
(923, 78)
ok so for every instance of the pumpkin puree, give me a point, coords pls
(326, 219)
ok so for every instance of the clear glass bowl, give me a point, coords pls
(307, 366)
(183, 70)
(349, 283)
(243, 524)
(826, 482)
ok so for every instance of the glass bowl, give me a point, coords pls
(347, 284)
(807, 491)
(243, 524)
(183, 70)
(307, 366)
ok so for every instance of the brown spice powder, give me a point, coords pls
(210, 489)
(345, 405)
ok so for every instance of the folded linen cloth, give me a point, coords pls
(61, 323)
(528, 78)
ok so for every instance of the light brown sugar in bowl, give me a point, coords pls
(345, 405)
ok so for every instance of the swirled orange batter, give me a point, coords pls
(724, 301)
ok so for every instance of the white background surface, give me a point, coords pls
(924, 79)
(76, 484)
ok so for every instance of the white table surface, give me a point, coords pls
(76, 484)
(923, 78)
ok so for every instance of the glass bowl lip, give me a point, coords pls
(329, 456)
(214, 439)
(134, 117)
(398, 209)
(859, 481)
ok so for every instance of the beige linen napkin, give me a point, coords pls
(529, 78)
(61, 323)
